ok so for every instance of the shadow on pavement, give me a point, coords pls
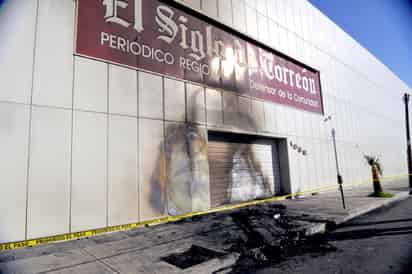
(367, 233)
(377, 223)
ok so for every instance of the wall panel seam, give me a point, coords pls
(107, 142)
(36, 25)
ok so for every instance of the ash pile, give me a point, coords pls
(270, 235)
(257, 236)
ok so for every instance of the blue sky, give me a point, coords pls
(384, 27)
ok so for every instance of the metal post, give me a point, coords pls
(408, 140)
(339, 177)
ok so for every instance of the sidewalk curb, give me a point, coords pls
(332, 222)
(382, 202)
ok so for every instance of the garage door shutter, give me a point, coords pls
(240, 172)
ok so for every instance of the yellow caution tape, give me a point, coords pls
(92, 232)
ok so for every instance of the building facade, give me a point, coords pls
(121, 111)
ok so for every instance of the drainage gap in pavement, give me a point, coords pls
(193, 256)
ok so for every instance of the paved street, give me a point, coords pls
(380, 242)
(380, 245)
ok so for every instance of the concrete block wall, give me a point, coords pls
(86, 144)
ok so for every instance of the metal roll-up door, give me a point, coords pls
(240, 171)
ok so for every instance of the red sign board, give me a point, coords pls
(151, 35)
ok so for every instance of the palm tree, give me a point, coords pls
(376, 167)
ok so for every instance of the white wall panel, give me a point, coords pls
(273, 34)
(280, 119)
(288, 10)
(290, 121)
(245, 119)
(151, 169)
(280, 12)
(296, 169)
(90, 87)
(317, 164)
(225, 11)
(263, 28)
(258, 115)
(230, 109)
(291, 42)
(210, 7)
(14, 137)
(214, 107)
(194, 4)
(53, 74)
(196, 111)
(89, 176)
(239, 15)
(297, 7)
(49, 173)
(17, 27)
(251, 22)
(270, 119)
(272, 10)
(261, 6)
(150, 96)
(122, 90)
(300, 120)
(283, 40)
(175, 100)
(122, 170)
(251, 3)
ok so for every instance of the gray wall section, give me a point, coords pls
(83, 142)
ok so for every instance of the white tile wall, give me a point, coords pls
(258, 115)
(194, 4)
(214, 107)
(270, 119)
(239, 15)
(251, 22)
(49, 173)
(246, 120)
(263, 28)
(90, 88)
(261, 6)
(251, 3)
(195, 108)
(14, 138)
(17, 23)
(230, 109)
(210, 8)
(151, 169)
(53, 71)
(274, 34)
(225, 11)
(123, 206)
(122, 91)
(150, 96)
(89, 171)
(175, 100)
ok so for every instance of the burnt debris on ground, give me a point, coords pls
(273, 236)
(262, 234)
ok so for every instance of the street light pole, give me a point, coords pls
(339, 177)
(408, 140)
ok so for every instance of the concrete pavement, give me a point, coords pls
(141, 250)
(328, 205)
